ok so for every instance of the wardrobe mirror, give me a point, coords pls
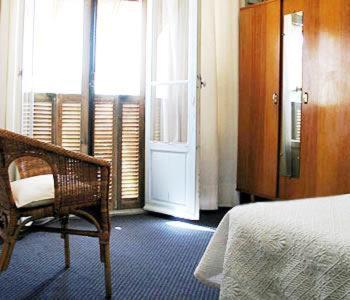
(292, 94)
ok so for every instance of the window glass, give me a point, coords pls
(118, 47)
(57, 46)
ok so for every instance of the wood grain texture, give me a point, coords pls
(249, 6)
(325, 141)
(292, 6)
(258, 116)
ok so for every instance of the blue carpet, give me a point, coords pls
(152, 258)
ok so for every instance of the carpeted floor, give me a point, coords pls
(152, 258)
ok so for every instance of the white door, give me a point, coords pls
(171, 108)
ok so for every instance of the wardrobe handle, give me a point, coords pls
(275, 98)
(306, 98)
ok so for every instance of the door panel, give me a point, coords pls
(169, 184)
(171, 108)
(159, 172)
(258, 114)
(325, 136)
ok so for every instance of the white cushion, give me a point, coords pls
(33, 191)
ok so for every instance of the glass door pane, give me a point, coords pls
(170, 58)
(170, 113)
(170, 48)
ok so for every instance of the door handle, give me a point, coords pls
(202, 83)
(275, 98)
(306, 98)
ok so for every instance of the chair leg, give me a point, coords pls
(65, 236)
(102, 252)
(107, 263)
(6, 254)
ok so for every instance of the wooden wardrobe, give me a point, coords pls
(294, 142)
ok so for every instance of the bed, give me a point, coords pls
(281, 250)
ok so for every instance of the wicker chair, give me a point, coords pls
(81, 187)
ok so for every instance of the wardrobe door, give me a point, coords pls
(325, 135)
(259, 99)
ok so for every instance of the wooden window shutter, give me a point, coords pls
(57, 120)
(43, 117)
(68, 124)
(104, 133)
(118, 138)
(130, 153)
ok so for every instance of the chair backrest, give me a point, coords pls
(6, 200)
(30, 166)
(14, 149)
(80, 180)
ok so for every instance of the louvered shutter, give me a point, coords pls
(104, 132)
(43, 117)
(69, 121)
(130, 153)
(118, 137)
(57, 119)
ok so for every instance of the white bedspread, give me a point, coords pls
(281, 250)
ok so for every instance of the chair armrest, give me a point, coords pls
(79, 183)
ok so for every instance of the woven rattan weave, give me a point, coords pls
(81, 189)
